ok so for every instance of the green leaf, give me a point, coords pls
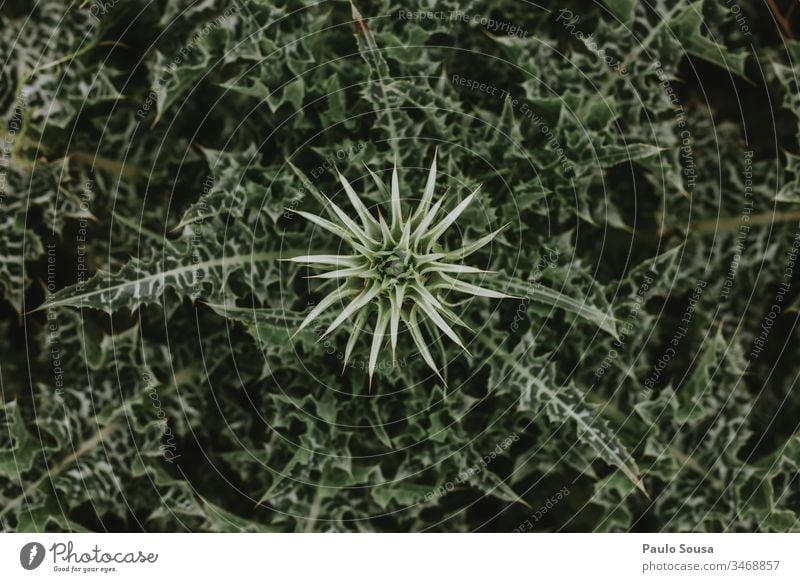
(688, 29)
(610, 156)
(19, 451)
(144, 282)
(563, 404)
(560, 300)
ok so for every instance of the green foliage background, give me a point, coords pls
(148, 380)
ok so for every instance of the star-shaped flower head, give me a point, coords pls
(395, 269)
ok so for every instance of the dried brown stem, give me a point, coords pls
(783, 21)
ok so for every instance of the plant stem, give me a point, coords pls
(682, 458)
(783, 21)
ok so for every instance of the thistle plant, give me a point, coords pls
(396, 268)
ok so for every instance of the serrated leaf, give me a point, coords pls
(560, 300)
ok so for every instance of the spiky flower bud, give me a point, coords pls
(395, 269)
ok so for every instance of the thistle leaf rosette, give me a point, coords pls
(395, 269)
